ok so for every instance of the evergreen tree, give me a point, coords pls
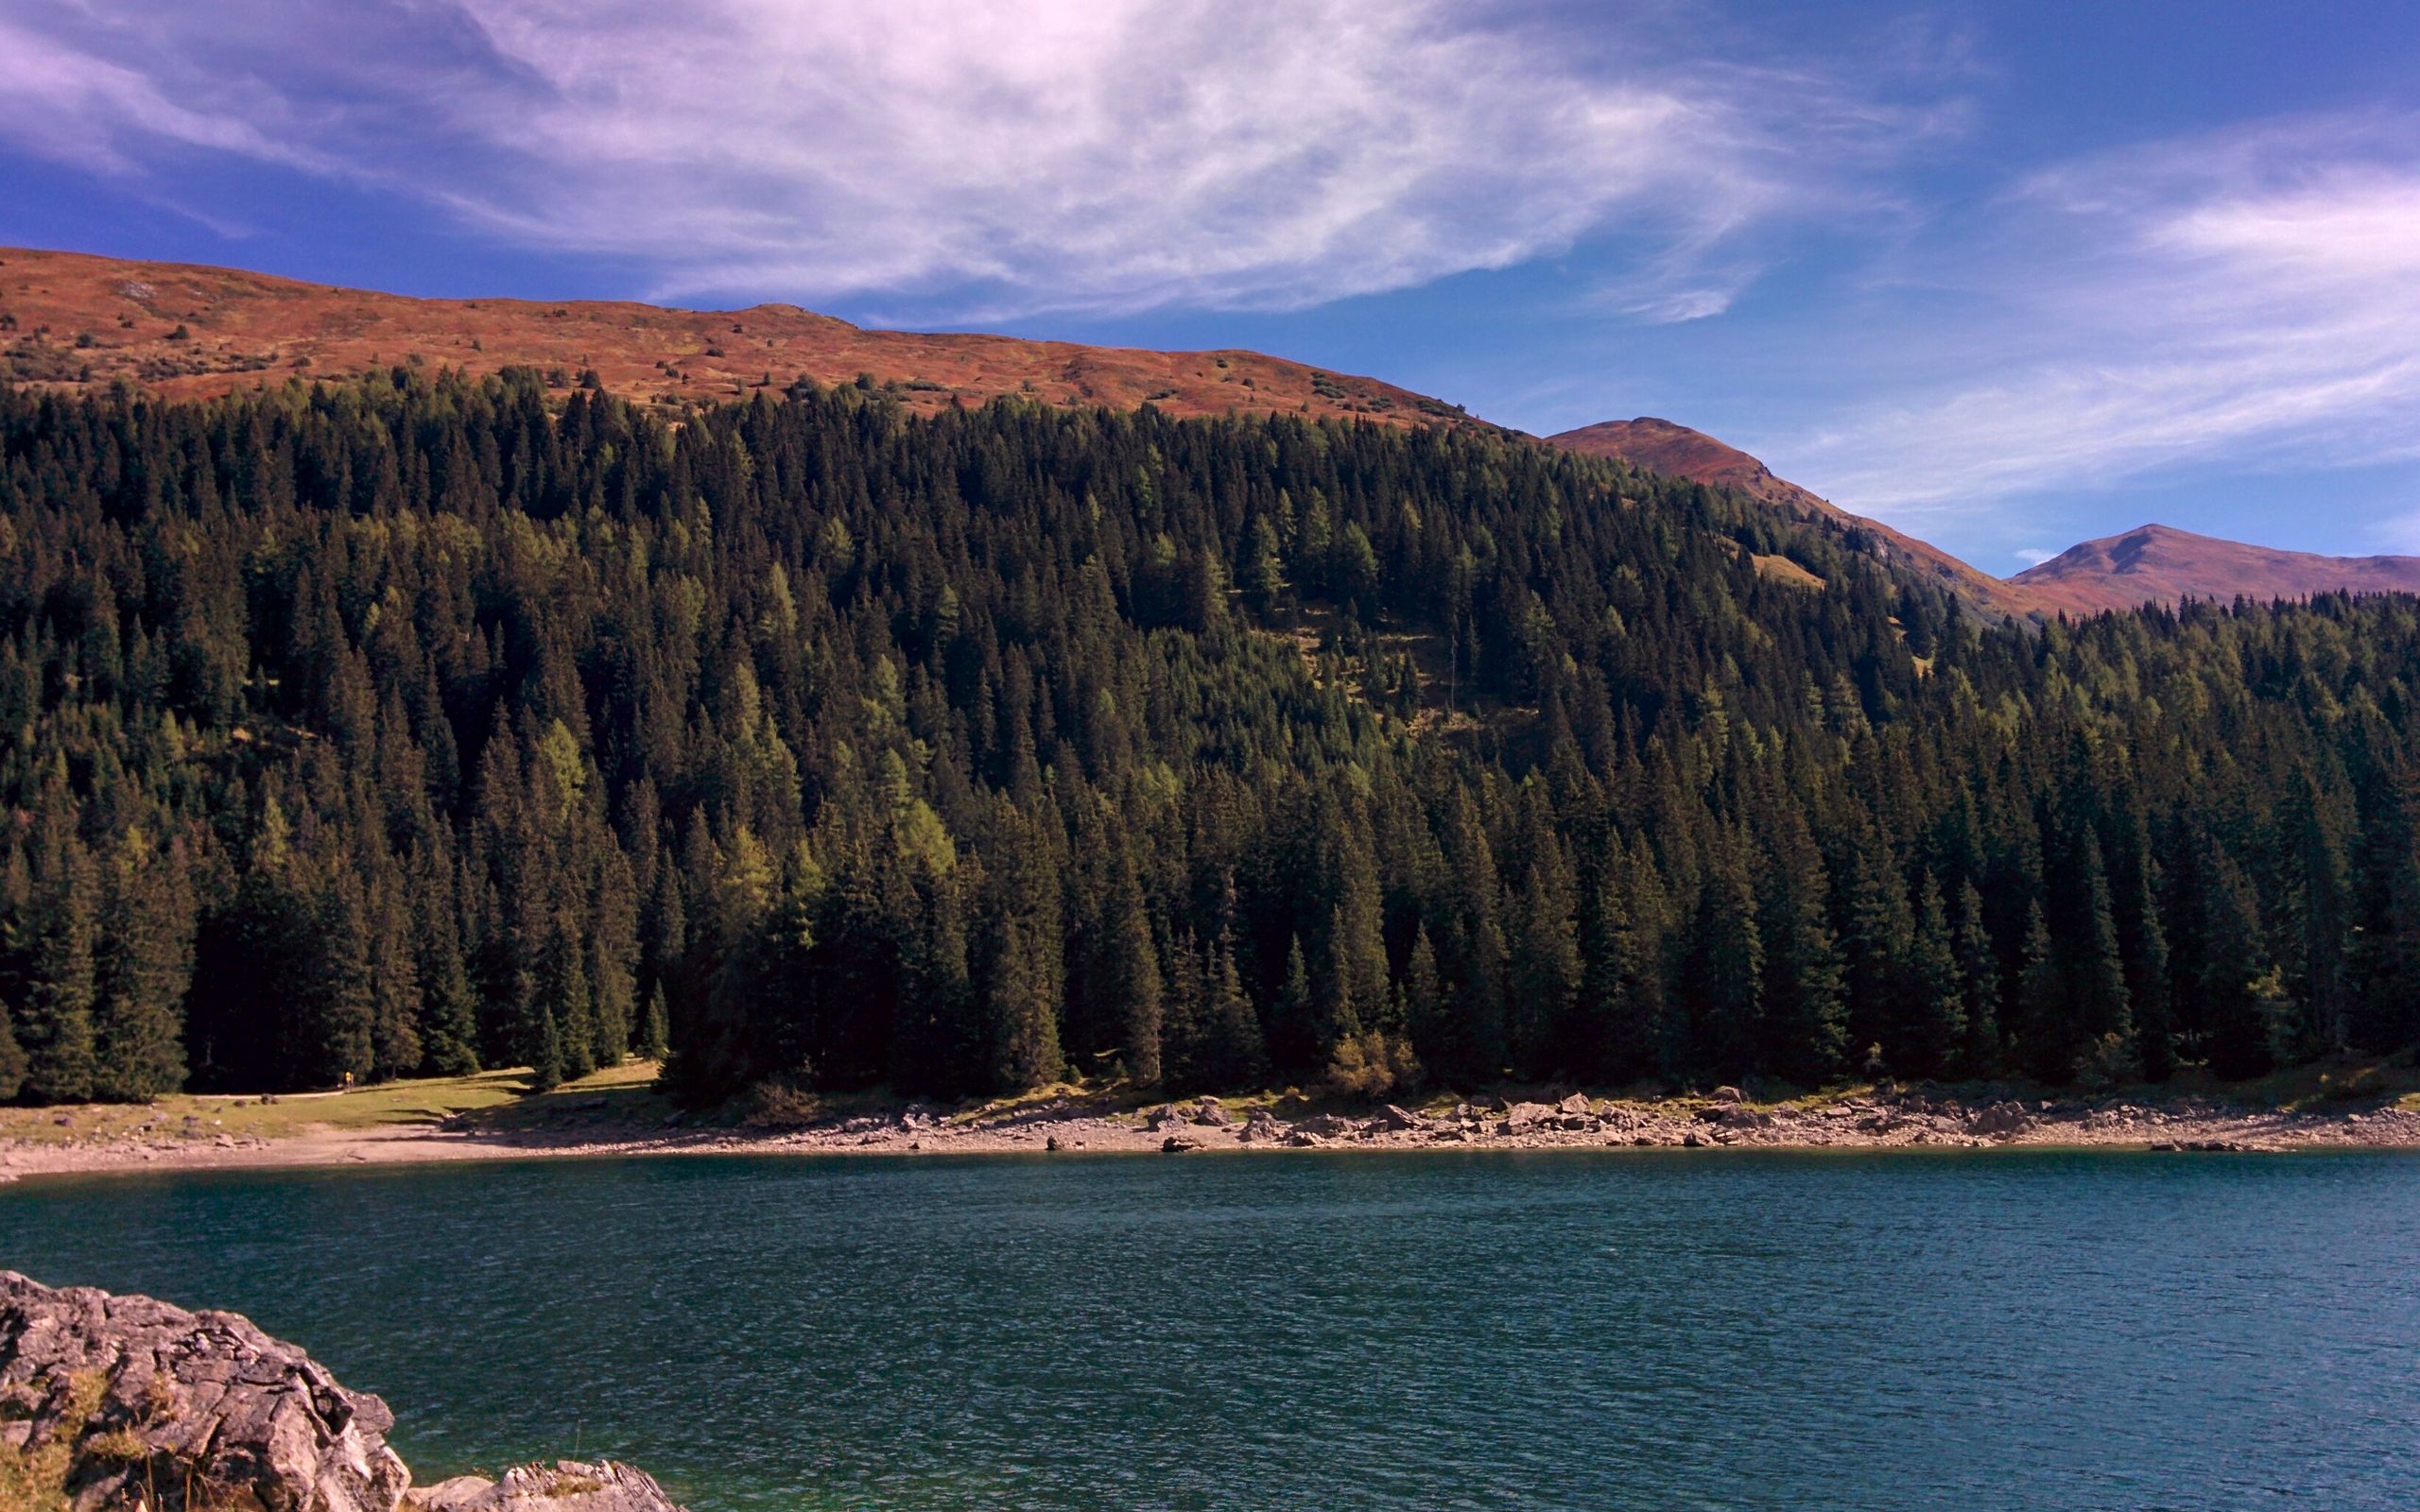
(143, 961)
(13, 1057)
(1978, 986)
(655, 1030)
(1935, 1032)
(56, 1023)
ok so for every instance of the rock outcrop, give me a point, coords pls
(566, 1485)
(113, 1403)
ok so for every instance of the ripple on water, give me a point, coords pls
(1495, 1330)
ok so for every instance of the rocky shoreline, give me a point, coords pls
(1888, 1118)
(110, 1402)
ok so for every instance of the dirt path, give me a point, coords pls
(1874, 1122)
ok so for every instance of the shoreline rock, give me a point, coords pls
(2003, 1116)
(111, 1402)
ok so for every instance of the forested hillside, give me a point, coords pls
(413, 724)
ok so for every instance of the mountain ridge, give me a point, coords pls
(78, 321)
(1658, 445)
(2156, 563)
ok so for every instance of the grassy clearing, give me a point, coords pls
(492, 1099)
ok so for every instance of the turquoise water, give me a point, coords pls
(1587, 1331)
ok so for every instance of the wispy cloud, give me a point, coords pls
(2246, 298)
(70, 106)
(1097, 155)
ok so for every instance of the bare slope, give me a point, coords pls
(2161, 564)
(72, 320)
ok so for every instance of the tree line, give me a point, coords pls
(420, 724)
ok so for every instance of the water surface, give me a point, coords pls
(1648, 1330)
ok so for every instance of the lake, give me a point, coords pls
(1597, 1329)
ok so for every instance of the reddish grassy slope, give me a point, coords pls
(1654, 445)
(2160, 564)
(71, 320)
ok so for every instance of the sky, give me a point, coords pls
(2006, 275)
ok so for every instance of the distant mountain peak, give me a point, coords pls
(1655, 445)
(2156, 563)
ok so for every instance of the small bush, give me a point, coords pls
(780, 1105)
(1373, 1064)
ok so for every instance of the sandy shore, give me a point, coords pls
(1889, 1120)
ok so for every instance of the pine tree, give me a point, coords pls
(449, 1029)
(545, 1054)
(1545, 968)
(1424, 996)
(143, 963)
(13, 1057)
(2237, 986)
(1019, 1004)
(395, 1048)
(1130, 982)
(1234, 1054)
(563, 1000)
(2041, 996)
(1979, 984)
(2098, 1032)
(1293, 1033)
(337, 1009)
(56, 1023)
(1805, 1030)
(1726, 973)
(655, 1028)
(1935, 1031)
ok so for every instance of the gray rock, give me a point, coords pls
(2000, 1121)
(1399, 1119)
(1212, 1113)
(205, 1399)
(204, 1409)
(1729, 1094)
(566, 1485)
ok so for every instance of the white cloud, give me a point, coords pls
(66, 105)
(2246, 298)
(2034, 555)
(1089, 154)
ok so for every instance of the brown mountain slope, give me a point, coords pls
(2160, 564)
(70, 320)
(1654, 445)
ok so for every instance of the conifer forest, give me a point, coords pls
(418, 724)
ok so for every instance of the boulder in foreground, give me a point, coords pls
(118, 1402)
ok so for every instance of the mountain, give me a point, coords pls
(2160, 563)
(1653, 445)
(72, 320)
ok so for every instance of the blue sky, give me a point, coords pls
(2006, 275)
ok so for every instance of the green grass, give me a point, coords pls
(492, 1099)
